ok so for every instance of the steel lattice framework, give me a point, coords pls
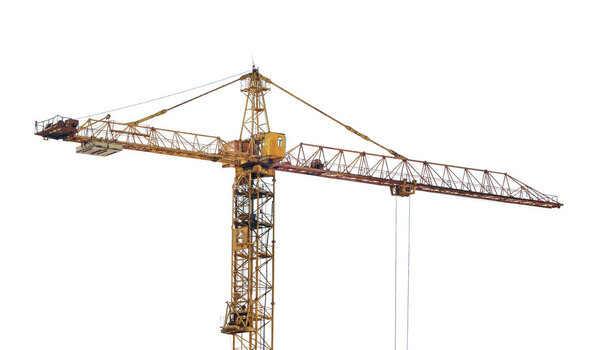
(329, 162)
(151, 139)
(256, 156)
(250, 312)
(382, 170)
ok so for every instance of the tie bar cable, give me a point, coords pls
(162, 97)
(348, 127)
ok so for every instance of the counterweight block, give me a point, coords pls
(97, 148)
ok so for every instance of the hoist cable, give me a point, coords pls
(408, 275)
(348, 127)
(163, 111)
(163, 97)
(396, 274)
(395, 270)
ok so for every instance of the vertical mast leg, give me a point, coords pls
(249, 317)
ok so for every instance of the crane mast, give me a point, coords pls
(249, 314)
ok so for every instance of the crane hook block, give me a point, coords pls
(404, 189)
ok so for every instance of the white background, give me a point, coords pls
(132, 251)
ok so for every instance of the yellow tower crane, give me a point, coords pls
(256, 156)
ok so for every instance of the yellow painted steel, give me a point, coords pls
(256, 120)
(273, 146)
(405, 189)
(255, 156)
(249, 313)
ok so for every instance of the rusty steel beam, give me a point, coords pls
(382, 170)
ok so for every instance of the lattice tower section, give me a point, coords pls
(256, 120)
(249, 315)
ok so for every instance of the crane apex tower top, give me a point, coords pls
(256, 140)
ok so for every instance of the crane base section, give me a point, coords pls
(101, 149)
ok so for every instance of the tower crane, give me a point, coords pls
(257, 155)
